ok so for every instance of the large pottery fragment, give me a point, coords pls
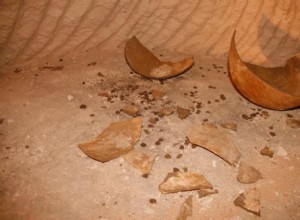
(211, 138)
(144, 62)
(117, 139)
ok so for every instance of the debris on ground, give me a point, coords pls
(183, 181)
(166, 111)
(266, 151)
(293, 123)
(211, 138)
(117, 139)
(206, 192)
(186, 209)
(281, 152)
(248, 174)
(141, 161)
(157, 94)
(131, 110)
(249, 200)
(183, 112)
(230, 125)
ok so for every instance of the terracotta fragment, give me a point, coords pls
(166, 111)
(266, 151)
(183, 112)
(293, 123)
(141, 161)
(117, 139)
(183, 181)
(274, 88)
(250, 201)
(158, 94)
(206, 192)
(211, 138)
(143, 62)
(131, 110)
(186, 209)
(248, 174)
(230, 125)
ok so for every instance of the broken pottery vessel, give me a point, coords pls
(211, 138)
(117, 139)
(274, 88)
(182, 181)
(143, 62)
(249, 200)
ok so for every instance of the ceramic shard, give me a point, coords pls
(249, 200)
(248, 174)
(145, 63)
(141, 161)
(211, 138)
(117, 139)
(186, 209)
(274, 88)
(183, 181)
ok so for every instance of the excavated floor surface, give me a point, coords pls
(44, 175)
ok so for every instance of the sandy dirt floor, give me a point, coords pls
(46, 112)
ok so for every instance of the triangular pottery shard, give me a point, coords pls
(141, 161)
(143, 62)
(274, 88)
(248, 174)
(117, 139)
(249, 200)
(211, 138)
(182, 181)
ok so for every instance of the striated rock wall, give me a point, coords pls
(268, 31)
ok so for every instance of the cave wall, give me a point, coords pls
(268, 32)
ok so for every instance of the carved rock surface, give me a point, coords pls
(211, 138)
(182, 181)
(117, 139)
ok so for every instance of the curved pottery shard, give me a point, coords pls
(274, 88)
(143, 62)
(117, 139)
(211, 138)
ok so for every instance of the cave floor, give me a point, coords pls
(46, 112)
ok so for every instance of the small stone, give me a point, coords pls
(250, 201)
(152, 201)
(248, 174)
(82, 106)
(131, 110)
(186, 209)
(230, 125)
(168, 156)
(1, 120)
(206, 192)
(183, 112)
(211, 138)
(104, 94)
(281, 152)
(179, 181)
(266, 151)
(70, 98)
(117, 139)
(141, 161)
(166, 111)
(293, 123)
(158, 94)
